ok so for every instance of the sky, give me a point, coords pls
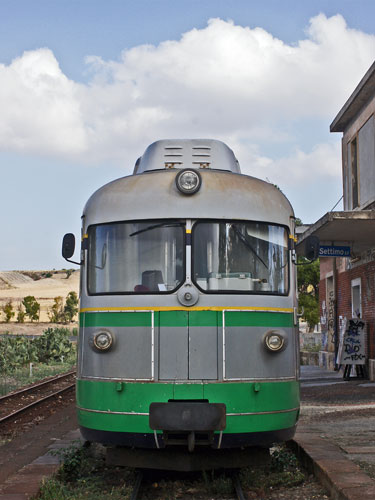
(87, 85)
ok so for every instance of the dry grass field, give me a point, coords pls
(15, 285)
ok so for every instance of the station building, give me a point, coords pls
(347, 284)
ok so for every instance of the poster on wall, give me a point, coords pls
(353, 343)
(342, 330)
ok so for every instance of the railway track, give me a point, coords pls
(137, 488)
(14, 404)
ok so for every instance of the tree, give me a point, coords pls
(20, 314)
(7, 309)
(56, 312)
(32, 307)
(60, 313)
(71, 306)
(308, 276)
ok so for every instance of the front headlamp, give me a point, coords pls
(188, 181)
(274, 341)
(103, 341)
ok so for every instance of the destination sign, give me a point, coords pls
(331, 251)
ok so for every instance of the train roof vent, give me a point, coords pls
(187, 153)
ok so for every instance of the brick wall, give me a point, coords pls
(344, 298)
(367, 274)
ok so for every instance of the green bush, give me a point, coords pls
(16, 352)
(20, 314)
(52, 345)
(56, 312)
(60, 313)
(7, 309)
(32, 307)
(71, 306)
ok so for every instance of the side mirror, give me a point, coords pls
(68, 246)
(312, 245)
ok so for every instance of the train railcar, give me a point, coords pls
(188, 305)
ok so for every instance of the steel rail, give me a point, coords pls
(137, 485)
(237, 486)
(35, 403)
(44, 382)
(139, 478)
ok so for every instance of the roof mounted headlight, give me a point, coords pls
(188, 181)
(275, 341)
(103, 341)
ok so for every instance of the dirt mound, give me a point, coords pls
(11, 279)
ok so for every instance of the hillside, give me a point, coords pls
(15, 285)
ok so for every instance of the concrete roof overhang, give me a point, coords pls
(359, 98)
(349, 228)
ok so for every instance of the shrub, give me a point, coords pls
(56, 312)
(16, 352)
(32, 307)
(54, 344)
(60, 313)
(33, 275)
(20, 314)
(71, 306)
(7, 309)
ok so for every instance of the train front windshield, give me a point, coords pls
(241, 257)
(136, 257)
(149, 257)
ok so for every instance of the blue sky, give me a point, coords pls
(85, 86)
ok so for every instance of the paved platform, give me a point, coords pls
(26, 482)
(342, 478)
(337, 433)
(26, 460)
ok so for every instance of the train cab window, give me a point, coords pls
(245, 257)
(136, 257)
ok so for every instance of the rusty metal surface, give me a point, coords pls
(223, 195)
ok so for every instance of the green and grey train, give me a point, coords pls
(188, 306)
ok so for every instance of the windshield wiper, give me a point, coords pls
(162, 224)
(247, 244)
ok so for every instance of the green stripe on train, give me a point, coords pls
(187, 318)
(136, 398)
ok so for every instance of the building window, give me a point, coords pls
(354, 172)
(356, 298)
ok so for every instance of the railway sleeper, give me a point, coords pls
(136, 492)
(179, 459)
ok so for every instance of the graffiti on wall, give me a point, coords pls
(352, 344)
(331, 318)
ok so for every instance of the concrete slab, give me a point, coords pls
(341, 477)
(356, 450)
(47, 459)
(309, 373)
(14, 496)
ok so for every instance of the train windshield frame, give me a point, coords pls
(241, 257)
(136, 257)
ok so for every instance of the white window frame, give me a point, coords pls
(356, 283)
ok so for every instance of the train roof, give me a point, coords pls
(154, 195)
(187, 153)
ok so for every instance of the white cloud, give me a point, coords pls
(322, 161)
(40, 112)
(234, 83)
